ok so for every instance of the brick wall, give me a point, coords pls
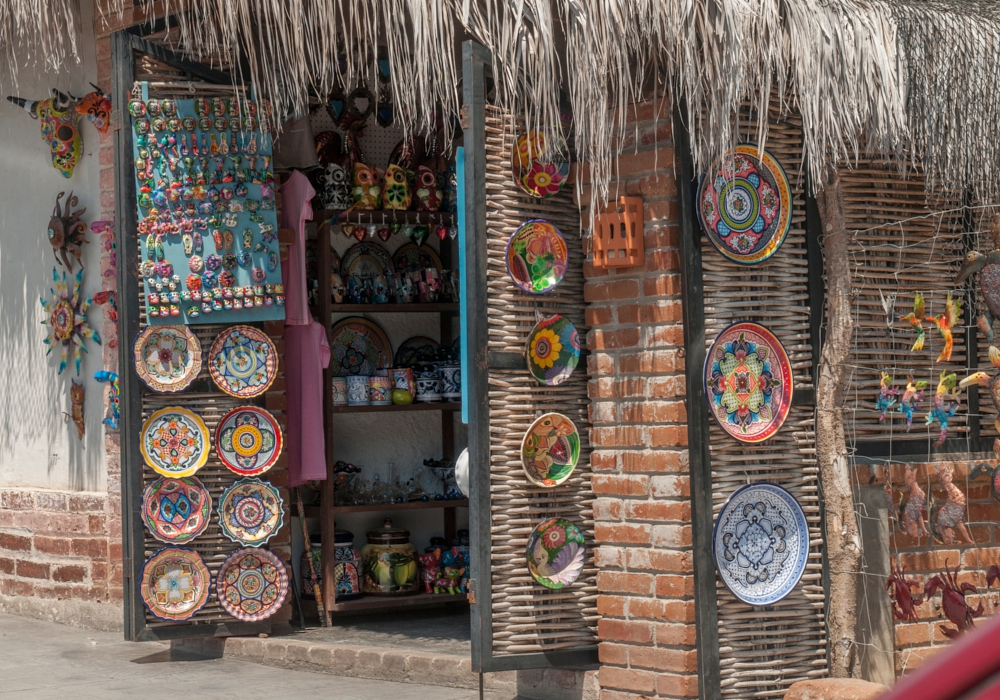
(640, 456)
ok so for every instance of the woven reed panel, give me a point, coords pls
(979, 239)
(763, 650)
(527, 617)
(902, 244)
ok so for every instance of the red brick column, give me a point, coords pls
(640, 456)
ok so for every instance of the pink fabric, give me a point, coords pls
(307, 353)
(295, 211)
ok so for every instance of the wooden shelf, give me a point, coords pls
(402, 601)
(387, 215)
(411, 505)
(431, 406)
(415, 308)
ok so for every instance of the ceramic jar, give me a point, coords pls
(428, 386)
(451, 383)
(390, 562)
(357, 390)
(317, 557)
(403, 379)
(380, 390)
(347, 570)
(340, 391)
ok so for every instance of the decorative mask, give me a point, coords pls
(335, 192)
(337, 288)
(396, 192)
(59, 127)
(66, 231)
(366, 191)
(429, 193)
(96, 107)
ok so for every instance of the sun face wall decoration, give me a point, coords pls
(66, 318)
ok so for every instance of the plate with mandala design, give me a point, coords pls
(176, 511)
(252, 584)
(243, 361)
(358, 346)
(167, 358)
(250, 512)
(175, 442)
(248, 440)
(175, 584)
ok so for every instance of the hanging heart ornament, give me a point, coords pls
(384, 233)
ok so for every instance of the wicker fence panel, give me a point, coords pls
(528, 617)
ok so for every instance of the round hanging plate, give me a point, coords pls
(335, 263)
(252, 584)
(553, 350)
(359, 346)
(175, 442)
(748, 382)
(248, 440)
(176, 511)
(550, 450)
(745, 205)
(537, 257)
(175, 584)
(366, 261)
(555, 553)
(250, 512)
(411, 257)
(415, 350)
(761, 543)
(243, 362)
(167, 358)
(540, 162)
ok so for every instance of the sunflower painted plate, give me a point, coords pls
(252, 584)
(175, 442)
(366, 261)
(175, 584)
(760, 543)
(175, 511)
(541, 162)
(553, 350)
(745, 205)
(359, 347)
(250, 512)
(415, 350)
(248, 440)
(411, 257)
(167, 358)
(550, 450)
(556, 553)
(748, 382)
(243, 362)
(537, 257)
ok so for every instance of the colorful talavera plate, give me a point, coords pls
(175, 584)
(248, 440)
(556, 553)
(366, 260)
(537, 257)
(553, 350)
(176, 511)
(167, 358)
(748, 382)
(745, 205)
(250, 512)
(550, 450)
(243, 362)
(359, 346)
(175, 442)
(540, 162)
(252, 584)
(411, 257)
(761, 543)
(415, 350)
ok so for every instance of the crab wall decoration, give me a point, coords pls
(60, 127)
(953, 604)
(67, 231)
(66, 317)
(903, 600)
(988, 267)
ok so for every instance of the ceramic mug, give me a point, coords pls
(357, 390)
(451, 383)
(339, 391)
(428, 387)
(403, 379)
(380, 390)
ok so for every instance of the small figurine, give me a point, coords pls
(912, 397)
(916, 318)
(951, 516)
(76, 396)
(355, 290)
(429, 569)
(945, 322)
(113, 419)
(337, 288)
(988, 266)
(983, 379)
(886, 395)
(380, 294)
(944, 408)
(911, 505)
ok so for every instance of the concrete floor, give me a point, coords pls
(435, 630)
(44, 660)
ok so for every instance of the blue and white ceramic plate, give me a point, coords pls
(760, 543)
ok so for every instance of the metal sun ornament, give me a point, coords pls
(67, 320)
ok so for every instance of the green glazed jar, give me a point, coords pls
(390, 562)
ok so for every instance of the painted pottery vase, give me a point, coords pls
(357, 390)
(556, 553)
(340, 391)
(347, 569)
(403, 379)
(537, 257)
(550, 450)
(451, 383)
(380, 390)
(428, 386)
(389, 562)
(553, 350)
(306, 589)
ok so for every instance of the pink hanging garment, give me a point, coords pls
(296, 193)
(307, 353)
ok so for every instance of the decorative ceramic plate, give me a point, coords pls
(167, 358)
(176, 511)
(416, 349)
(541, 162)
(366, 261)
(761, 543)
(748, 382)
(411, 257)
(360, 347)
(175, 442)
(252, 584)
(745, 205)
(248, 440)
(243, 362)
(553, 350)
(537, 257)
(335, 263)
(175, 584)
(550, 450)
(250, 512)
(555, 553)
